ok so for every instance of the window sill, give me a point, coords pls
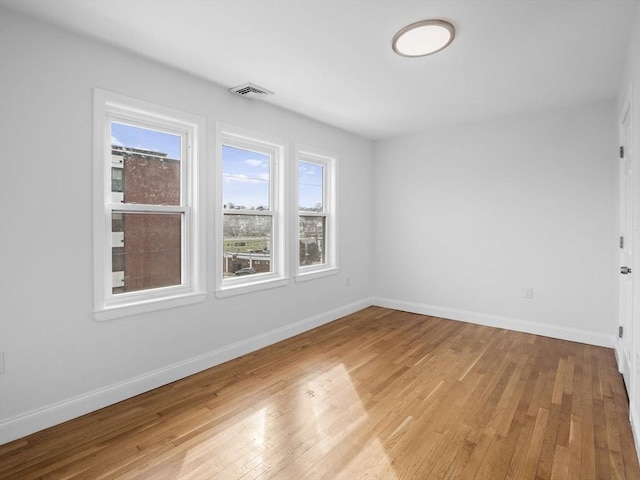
(130, 309)
(312, 275)
(240, 289)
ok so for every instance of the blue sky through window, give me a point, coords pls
(246, 173)
(245, 178)
(310, 186)
(146, 139)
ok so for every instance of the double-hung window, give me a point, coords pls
(251, 224)
(316, 198)
(147, 240)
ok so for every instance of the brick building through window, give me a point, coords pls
(146, 247)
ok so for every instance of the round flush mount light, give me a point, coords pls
(423, 38)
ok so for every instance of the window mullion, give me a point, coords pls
(302, 213)
(248, 212)
(145, 208)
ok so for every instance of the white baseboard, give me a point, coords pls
(634, 419)
(619, 357)
(50, 415)
(526, 326)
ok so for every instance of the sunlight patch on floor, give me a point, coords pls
(224, 453)
(338, 412)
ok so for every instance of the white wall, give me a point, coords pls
(630, 86)
(469, 216)
(60, 362)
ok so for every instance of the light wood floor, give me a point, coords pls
(378, 394)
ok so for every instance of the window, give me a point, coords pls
(316, 233)
(251, 225)
(147, 244)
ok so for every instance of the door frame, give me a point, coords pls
(632, 105)
(625, 345)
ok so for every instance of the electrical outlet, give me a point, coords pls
(527, 293)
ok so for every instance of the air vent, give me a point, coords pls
(250, 90)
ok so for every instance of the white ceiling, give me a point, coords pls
(332, 60)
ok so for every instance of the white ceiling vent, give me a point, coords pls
(251, 90)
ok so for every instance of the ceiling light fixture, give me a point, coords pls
(423, 38)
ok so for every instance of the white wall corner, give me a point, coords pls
(50, 415)
(497, 321)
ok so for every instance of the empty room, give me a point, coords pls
(316, 239)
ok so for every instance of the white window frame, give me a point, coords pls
(233, 136)
(329, 162)
(110, 107)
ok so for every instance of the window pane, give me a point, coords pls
(245, 176)
(147, 250)
(312, 240)
(116, 180)
(247, 244)
(150, 172)
(311, 187)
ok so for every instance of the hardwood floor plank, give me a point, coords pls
(378, 394)
(575, 448)
(532, 459)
